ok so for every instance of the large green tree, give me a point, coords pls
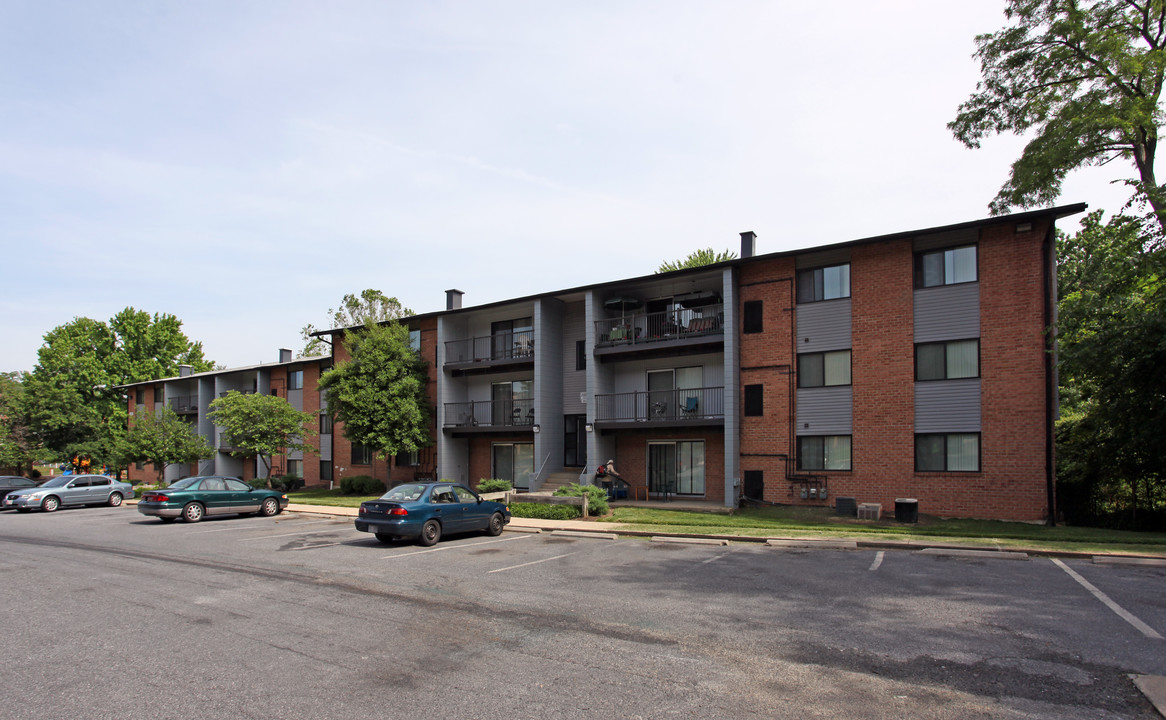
(354, 311)
(1111, 438)
(19, 448)
(71, 402)
(1083, 79)
(380, 392)
(256, 425)
(162, 438)
(697, 258)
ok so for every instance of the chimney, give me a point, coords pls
(285, 355)
(747, 239)
(184, 370)
(453, 299)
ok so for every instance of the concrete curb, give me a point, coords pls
(993, 554)
(815, 544)
(689, 540)
(1154, 688)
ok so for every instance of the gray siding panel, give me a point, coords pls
(951, 312)
(947, 406)
(825, 411)
(574, 381)
(823, 326)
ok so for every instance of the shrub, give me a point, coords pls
(361, 485)
(287, 483)
(494, 485)
(543, 511)
(258, 483)
(596, 497)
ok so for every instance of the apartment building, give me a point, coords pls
(190, 395)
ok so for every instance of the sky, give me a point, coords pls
(243, 165)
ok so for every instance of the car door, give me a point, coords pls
(99, 487)
(242, 499)
(215, 496)
(446, 508)
(76, 492)
(475, 515)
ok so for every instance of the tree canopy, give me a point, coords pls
(380, 392)
(697, 258)
(1084, 78)
(19, 448)
(71, 405)
(261, 425)
(162, 438)
(354, 311)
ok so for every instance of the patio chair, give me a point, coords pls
(689, 407)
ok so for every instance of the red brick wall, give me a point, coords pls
(481, 454)
(631, 458)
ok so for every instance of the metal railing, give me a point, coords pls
(499, 346)
(674, 324)
(661, 405)
(488, 413)
(184, 403)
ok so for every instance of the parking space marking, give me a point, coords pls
(1121, 612)
(539, 562)
(877, 561)
(313, 547)
(252, 527)
(269, 537)
(452, 547)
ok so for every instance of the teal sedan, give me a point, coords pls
(194, 498)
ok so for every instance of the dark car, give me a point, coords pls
(8, 483)
(426, 511)
(193, 498)
(66, 490)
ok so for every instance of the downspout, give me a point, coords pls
(1052, 401)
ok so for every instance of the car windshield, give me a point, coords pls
(184, 483)
(404, 492)
(60, 481)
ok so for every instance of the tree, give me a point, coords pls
(162, 438)
(19, 448)
(1112, 348)
(380, 393)
(261, 425)
(698, 258)
(370, 306)
(71, 402)
(1085, 78)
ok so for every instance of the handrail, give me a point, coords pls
(536, 482)
(661, 405)
(509, 345)
(675, 324)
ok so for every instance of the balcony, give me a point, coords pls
(490, 353)
(184, 405)
(478, 416)
(661, 408)
(661, 333)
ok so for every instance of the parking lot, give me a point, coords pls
(302, 616)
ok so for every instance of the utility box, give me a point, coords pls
(906, 510)
(847, 506)
(870, 511)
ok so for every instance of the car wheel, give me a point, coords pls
(50, 504)
(430, 533)
(115, 500)
(269, 507)
(192, 513)
(497, 522)
(386, 539)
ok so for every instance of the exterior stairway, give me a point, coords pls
(556, 480)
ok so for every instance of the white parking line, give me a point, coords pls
(533, 562)
(1121, 612)
(452, 547)
(877, 561)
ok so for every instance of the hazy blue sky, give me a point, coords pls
(243, 165)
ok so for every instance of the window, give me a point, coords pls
(408, 458)
(159, 395)
(824, 452)
(580, 355)
(826, 283)
(326, 470)
(140, 464)
(140, 396)
(325, 424)
(945, 267)
(947, 360)
(751, 320)
(415, 340)
(824, 369)
(950, 452)
(754, 400)
(676, 467)
(361, 454)
(295, 468)
(513, 462)
(295, 380)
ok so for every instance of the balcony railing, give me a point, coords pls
(691, 404)
(184, 404)
(488, 413)
(678, 324)
(516, 345)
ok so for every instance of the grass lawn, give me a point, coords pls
(809, 522)
(331, 498)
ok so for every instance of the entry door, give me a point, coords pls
(514, 462)
(574, 440)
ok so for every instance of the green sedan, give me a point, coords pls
(193, 498)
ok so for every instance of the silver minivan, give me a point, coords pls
(66, 490)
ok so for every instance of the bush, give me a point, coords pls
(543, 511)
(361, 485)
(258, 483)
(287, 483)
(494, 485)
(596, 497)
